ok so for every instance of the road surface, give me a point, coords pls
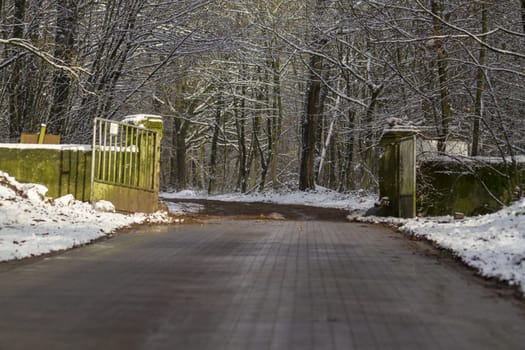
(255, 284)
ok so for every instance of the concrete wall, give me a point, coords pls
(126, 198)
(63, 169)
(445, 185)
(475, 186)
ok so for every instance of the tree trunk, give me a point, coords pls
(179, 165)
(212, 182)
(277, 123)
(16, 100)
(442, 64)
(480, 78)
(309, 124)
(241, 139)
(67, 20)
(523, 14)
(325, 146)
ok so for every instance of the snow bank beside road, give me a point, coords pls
(494, 244)
(31, 224)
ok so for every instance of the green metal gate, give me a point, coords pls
(124, 163)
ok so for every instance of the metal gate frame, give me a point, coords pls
(124, 162)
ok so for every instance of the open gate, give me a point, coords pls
(124, 167)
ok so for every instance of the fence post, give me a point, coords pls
(42, 134)
(155, 123)
(397, 172)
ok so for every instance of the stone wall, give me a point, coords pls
(63, 169)
(470, 186)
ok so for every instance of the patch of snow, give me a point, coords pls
(139, 119)
(494, 244)
(430, 147)
(104, 206)
(82, 148)
(321, 197)
(183, 208)
(7, 193)
(65, 201)
(31, 224)
(34, 193)
(276, 216)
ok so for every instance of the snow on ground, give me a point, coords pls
(493, 244)
(321, 197)
(31, 224)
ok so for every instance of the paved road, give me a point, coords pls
(254, 285)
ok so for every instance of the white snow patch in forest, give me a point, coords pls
(321, 197)
(138, 119)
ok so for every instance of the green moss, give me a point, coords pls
(61, 171)
(448, 187)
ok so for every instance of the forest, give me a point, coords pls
(276, 94)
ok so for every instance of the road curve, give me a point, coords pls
(254, 284)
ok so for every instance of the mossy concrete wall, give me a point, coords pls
(472, 187)
(127, 199)
(63, 169)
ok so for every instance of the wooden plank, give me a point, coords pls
(33, 138)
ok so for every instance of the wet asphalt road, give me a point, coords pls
(255, 284)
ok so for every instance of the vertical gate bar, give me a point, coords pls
(129, 134)
(154, 161)
(113, 155)
(128, 156)
(146, 159)
(121, 154)
(134, 157)
(104, 151)
(109, 137)
(99, 150)
(93, 162)
(140, 155)
(151, 155)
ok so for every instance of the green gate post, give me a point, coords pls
(397, 172)
(154, 122)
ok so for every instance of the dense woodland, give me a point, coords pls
(269, 94)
